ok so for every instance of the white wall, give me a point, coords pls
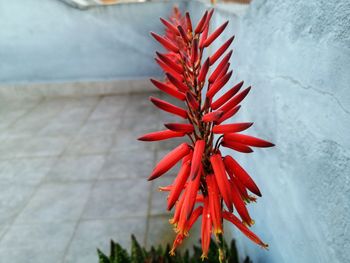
(296, 55)
(45, 41)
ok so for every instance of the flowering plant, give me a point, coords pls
(208, 184)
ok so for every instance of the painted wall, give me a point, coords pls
(296, 55)
(43, 41)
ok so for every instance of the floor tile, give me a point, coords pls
(36, 243)
(76, 168)
(28, 171)
(118, 198)
(56, 203)
(92, 144)
(128, 164)
(13, 197)
(91, 235)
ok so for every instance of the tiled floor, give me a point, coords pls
(73, 176)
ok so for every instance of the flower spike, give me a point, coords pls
(206, 184)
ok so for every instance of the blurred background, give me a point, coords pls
(74, 94)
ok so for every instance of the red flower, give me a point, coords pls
(207, 184)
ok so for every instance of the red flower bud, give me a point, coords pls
(160, 135)
(229, 114)
(248, 140)
(245, 230)
(221, 179)
(218, 85)
(200, 26)
(220, 67)
(179, 184)
(220, 51)
(206, 229)
(236, 146)
(168, 89)
(170, 26)
(166, 106)
(235, 100)
(165, 43)
(231, 128)
(203, 72)
(233, 167)
(215, 34)
(212, 116)
(169, 160)
(177, 83)
(180, 127)
(224, 98)
(171, 63)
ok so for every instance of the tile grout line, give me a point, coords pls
(149, 203)
(90, 189)
(94, 182)
(36, 188)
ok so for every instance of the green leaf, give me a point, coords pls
(102, 258)
(137, 253)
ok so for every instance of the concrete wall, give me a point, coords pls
(296, 55)
(45, 41)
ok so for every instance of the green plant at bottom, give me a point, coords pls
(140, 254)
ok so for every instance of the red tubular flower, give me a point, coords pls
(206, 229)
(234, 168)
(201, 23)
(221, 179)
(218, 85)
(160, 135)
(206, 182)
(171, 63)
(179, 184)
(236, 146)
(248, 140)
(228, 114)
(192, 101)
(177, 83)
(168, 89)
(234, 101)
(240, 205)
(165, 43)
(220, 51)
(214, 204)
(245, 230)
(215, 34)
(203, 72)
(220, 67)
(212, 116)
(230, 128)
(170, 160)
(224, 98)
(168, 69)
(166, 106)
(169, 26)
(180, 127)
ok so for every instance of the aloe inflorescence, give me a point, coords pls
(209, 184)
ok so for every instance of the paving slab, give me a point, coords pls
(73, 176)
